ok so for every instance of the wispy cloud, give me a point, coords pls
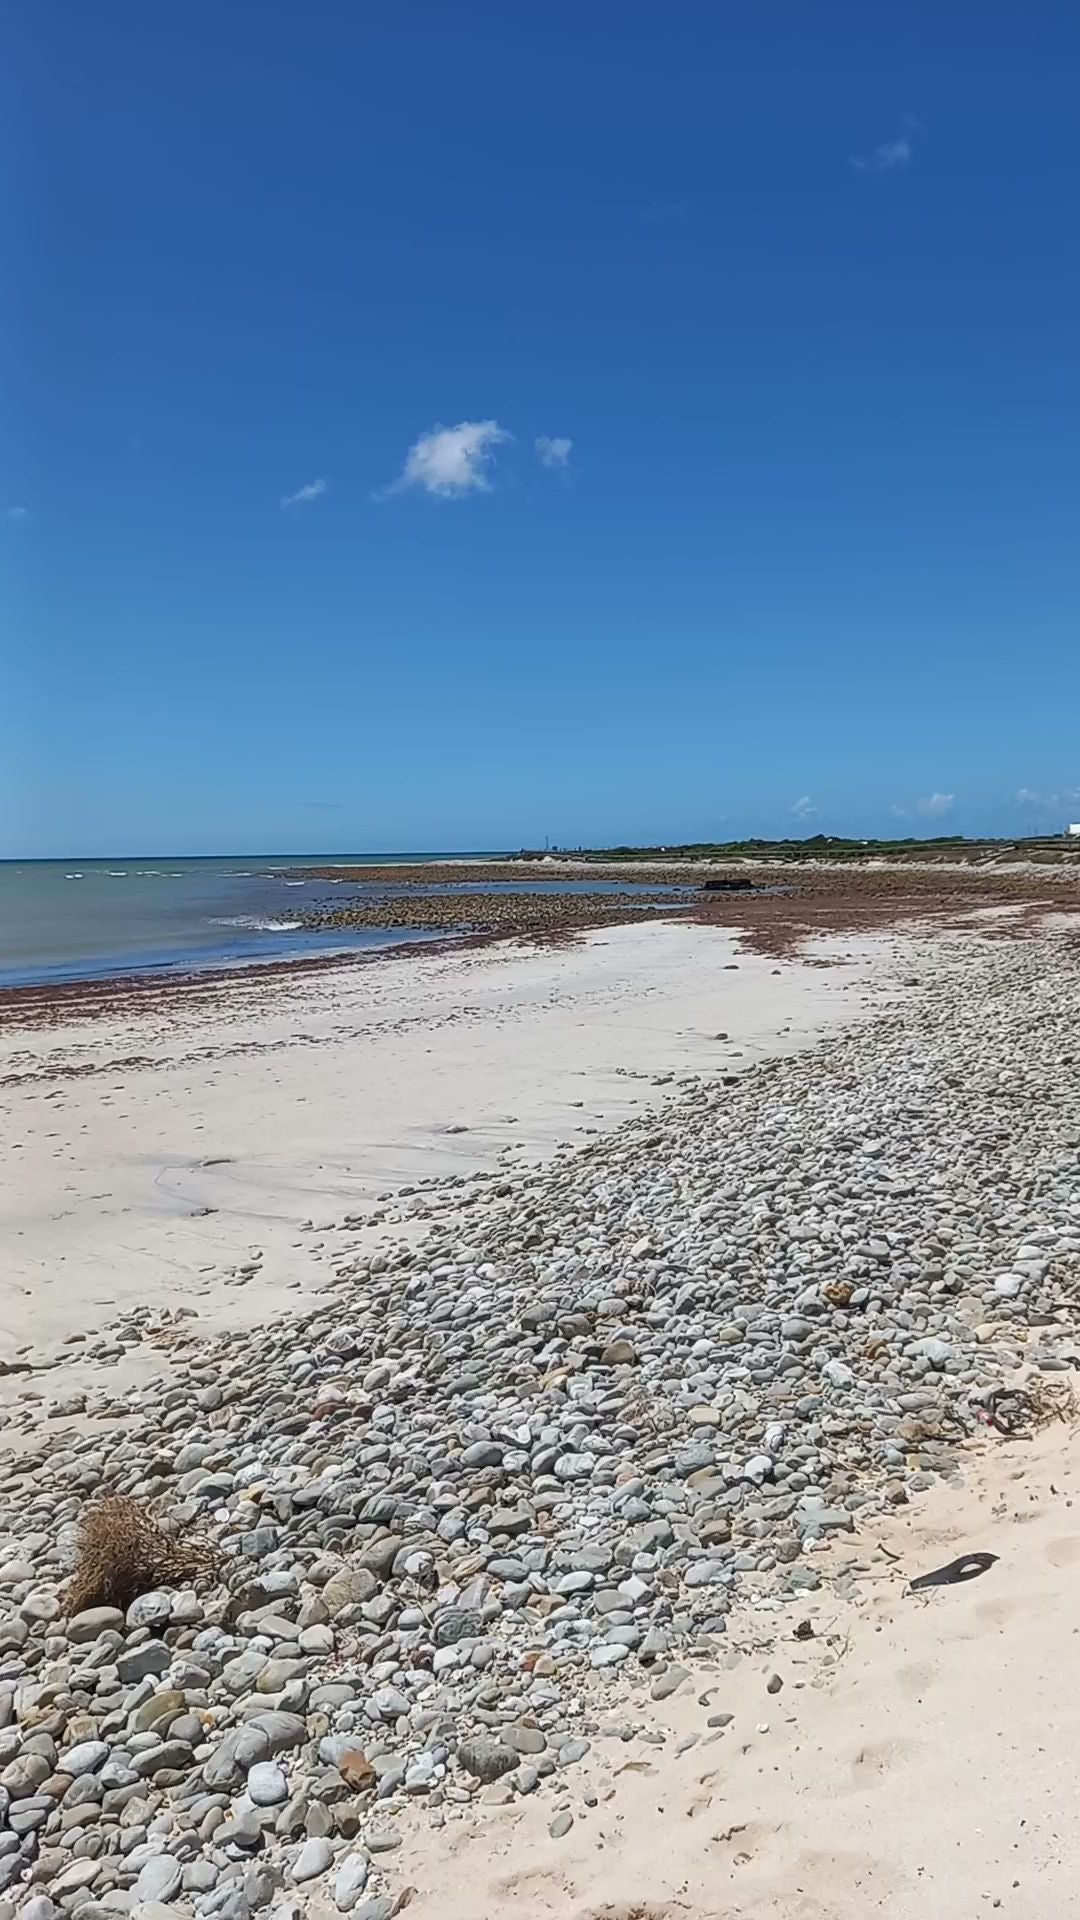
(452, 461)
(898, 813)
(13, 515)
(936, 804)
(553, 453)
(803, 808)
(1043, 802)
(891, 153)
(303, 495)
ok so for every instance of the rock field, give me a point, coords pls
(504, 1483)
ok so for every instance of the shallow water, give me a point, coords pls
(99, 919)
(78, 920)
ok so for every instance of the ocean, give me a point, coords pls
(99, 919)
(64, 920)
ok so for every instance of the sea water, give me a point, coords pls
(85, 919)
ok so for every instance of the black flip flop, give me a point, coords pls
(968, 1567)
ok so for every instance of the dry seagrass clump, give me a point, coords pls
(123, 1551)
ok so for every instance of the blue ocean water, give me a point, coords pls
(88, 919)
(63, 920)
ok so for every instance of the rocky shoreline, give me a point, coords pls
(776, 908)
(775, 915)
(502, 1489)
(498, 914)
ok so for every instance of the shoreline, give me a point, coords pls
(825, 899)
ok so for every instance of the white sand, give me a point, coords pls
(919, 1763)
(315, 1094)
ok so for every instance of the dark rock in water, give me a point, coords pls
(727, 886)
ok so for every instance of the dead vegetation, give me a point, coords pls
(124, 1551)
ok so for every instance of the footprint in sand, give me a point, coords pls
(1064, 1553)
(830, 1883)
(746, 1840)
(551, 1887)
(874, 1763)
(916, 1679)
(997, 1613)
(642, 1910)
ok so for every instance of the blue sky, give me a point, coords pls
(435, 427)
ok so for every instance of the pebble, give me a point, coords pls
(266, 1784)
(89, 1756)
(314, 1857)
(486, 1759)
(160, 1878)
(609, 1653)
(350, 1880)
(149, 1610)
(91, 1624)
(668, 1682)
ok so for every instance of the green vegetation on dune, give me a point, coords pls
(825, 846)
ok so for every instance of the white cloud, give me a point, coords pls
(898, 813)
(1042, 802)
(452, 461)
(891, 153)
(14, 514)
(313, 491)
(803, 808)
(937, 803)
(553, 452)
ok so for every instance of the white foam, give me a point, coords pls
(255, 923)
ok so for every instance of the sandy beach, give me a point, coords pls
(153, 1157)
(915, 1758)
(571, 1353)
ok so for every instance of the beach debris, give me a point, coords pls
(1008, 1410)
(967, 1567)
(123, 1551)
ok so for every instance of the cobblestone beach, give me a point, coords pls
(504, 1488)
